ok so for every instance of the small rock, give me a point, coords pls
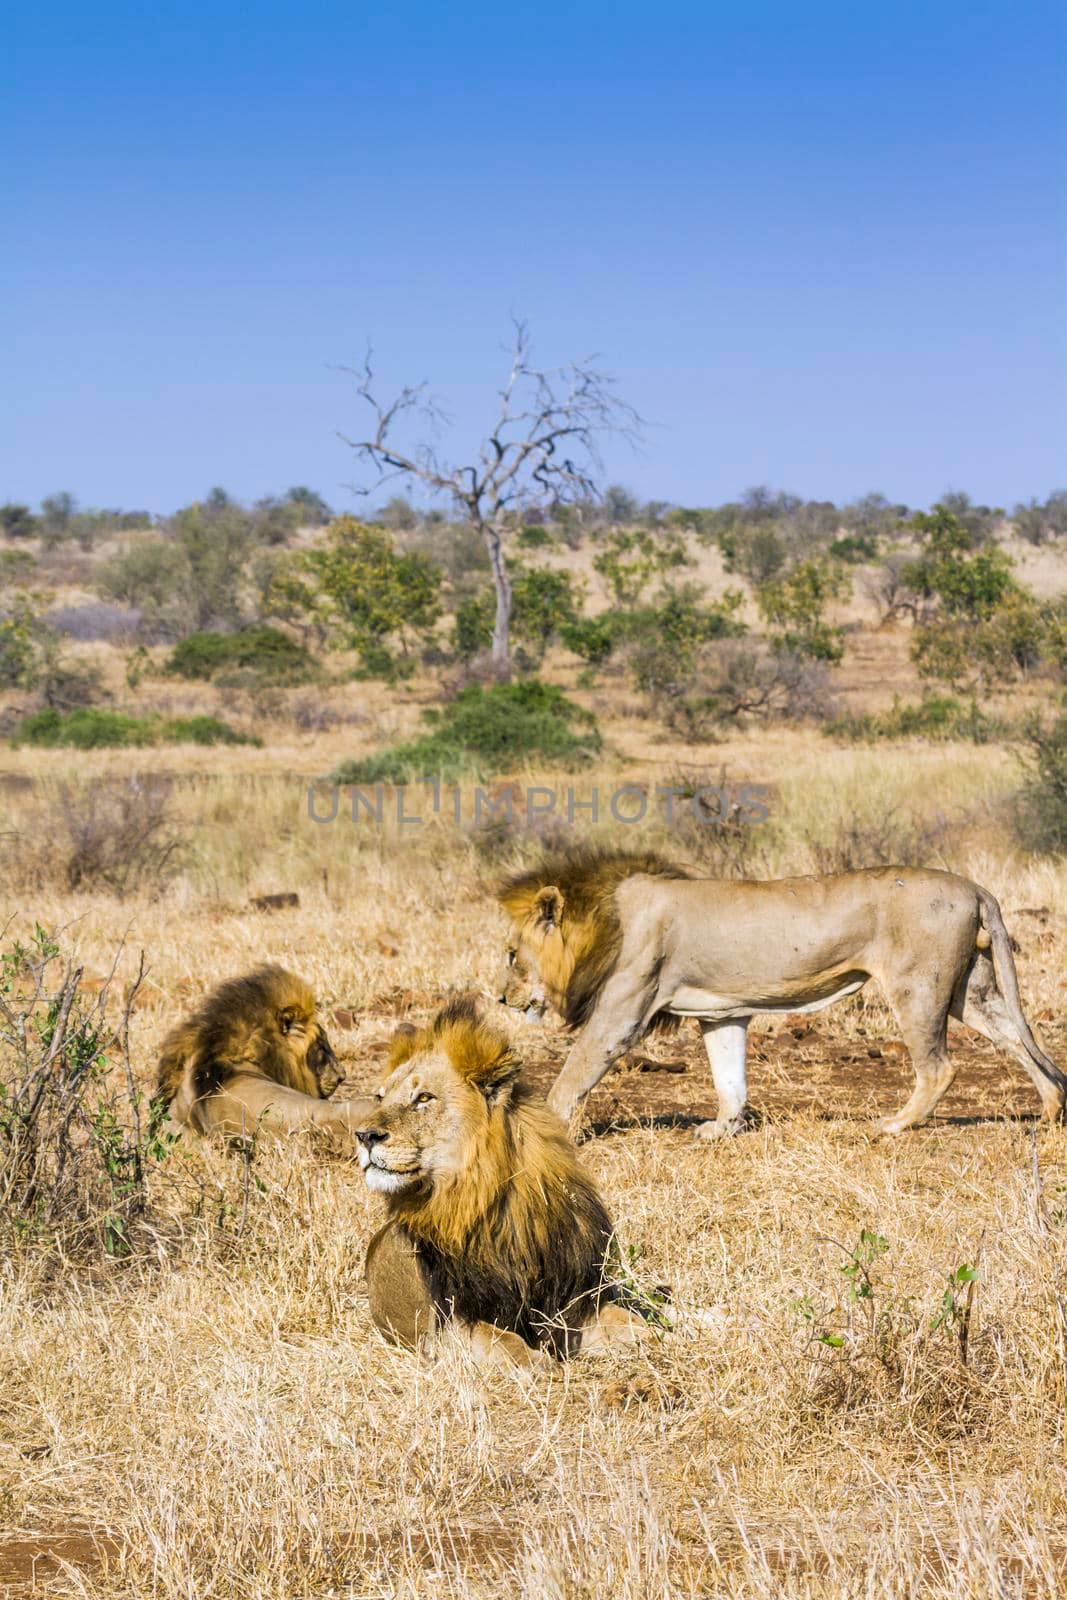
(647, 1064)
(275, 902)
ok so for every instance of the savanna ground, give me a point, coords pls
(852, 1414)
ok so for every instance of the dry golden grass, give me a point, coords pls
(218, 1418)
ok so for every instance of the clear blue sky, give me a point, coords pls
(820, 246)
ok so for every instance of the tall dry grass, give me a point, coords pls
(215, 1416)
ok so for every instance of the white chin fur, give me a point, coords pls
(383, 1182)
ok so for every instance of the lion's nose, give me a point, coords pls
(369, 1137)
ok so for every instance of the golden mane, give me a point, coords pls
(520, 1235)
(587, 876)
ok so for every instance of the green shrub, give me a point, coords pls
(795, 605)
(204, 730)
(632, 559)
(17, 521)
(90, 728)
(966, 585)
(1041, 813)
(472, 626)
(543, 603)
(660, 639)
(486, 731)
(152, 576)
(20, 639)
(854, 548)
(592, 639)
(935, 717)
(757, 553)
(534, 537)
(370, 597)
(264, 650)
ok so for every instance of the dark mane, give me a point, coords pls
(520, 1237)
(587, 876)
(225, 1031)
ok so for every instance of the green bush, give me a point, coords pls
(543, 602)
(969, 586)
(1041, 814)
(472, 626)
(262, 649)
(854, 548)
(91, 728)
(935, 717)
(370, 597)
(534, 537)
(757, 553)
(204, 730)
(17, 521)
(486, 731)
(795, 605)
(592, 639)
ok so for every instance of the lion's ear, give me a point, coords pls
(287, 1017)
(549, 907)
(496, 1080)
(402, 1045)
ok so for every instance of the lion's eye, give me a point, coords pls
(511, 957)
(424, 1098)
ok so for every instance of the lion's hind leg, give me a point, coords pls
(920, 1005)
(978, 1004)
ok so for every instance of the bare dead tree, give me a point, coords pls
(543, 446)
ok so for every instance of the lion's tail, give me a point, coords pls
(996, 935)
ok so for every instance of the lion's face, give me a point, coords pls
(449, 1089)
(426, 1126)
(327, 1070)
(303, 1054)
(537, 960)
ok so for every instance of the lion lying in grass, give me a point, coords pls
(254, 1055)
(493, 1223)
(623, 942)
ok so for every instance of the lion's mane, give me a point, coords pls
(519, 1238)
(263, 1022)
(588, 877)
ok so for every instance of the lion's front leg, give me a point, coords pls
(491, 1346)
(400, 1300)
(727, 1047)
(614, 1328)
(618, 1021)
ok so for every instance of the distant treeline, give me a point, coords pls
(274, 518)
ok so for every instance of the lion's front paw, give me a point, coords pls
(724, 1127)
(563, 1104)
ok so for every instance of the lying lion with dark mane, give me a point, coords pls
(493, 1223)
(254, 1055)
(622, 942)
